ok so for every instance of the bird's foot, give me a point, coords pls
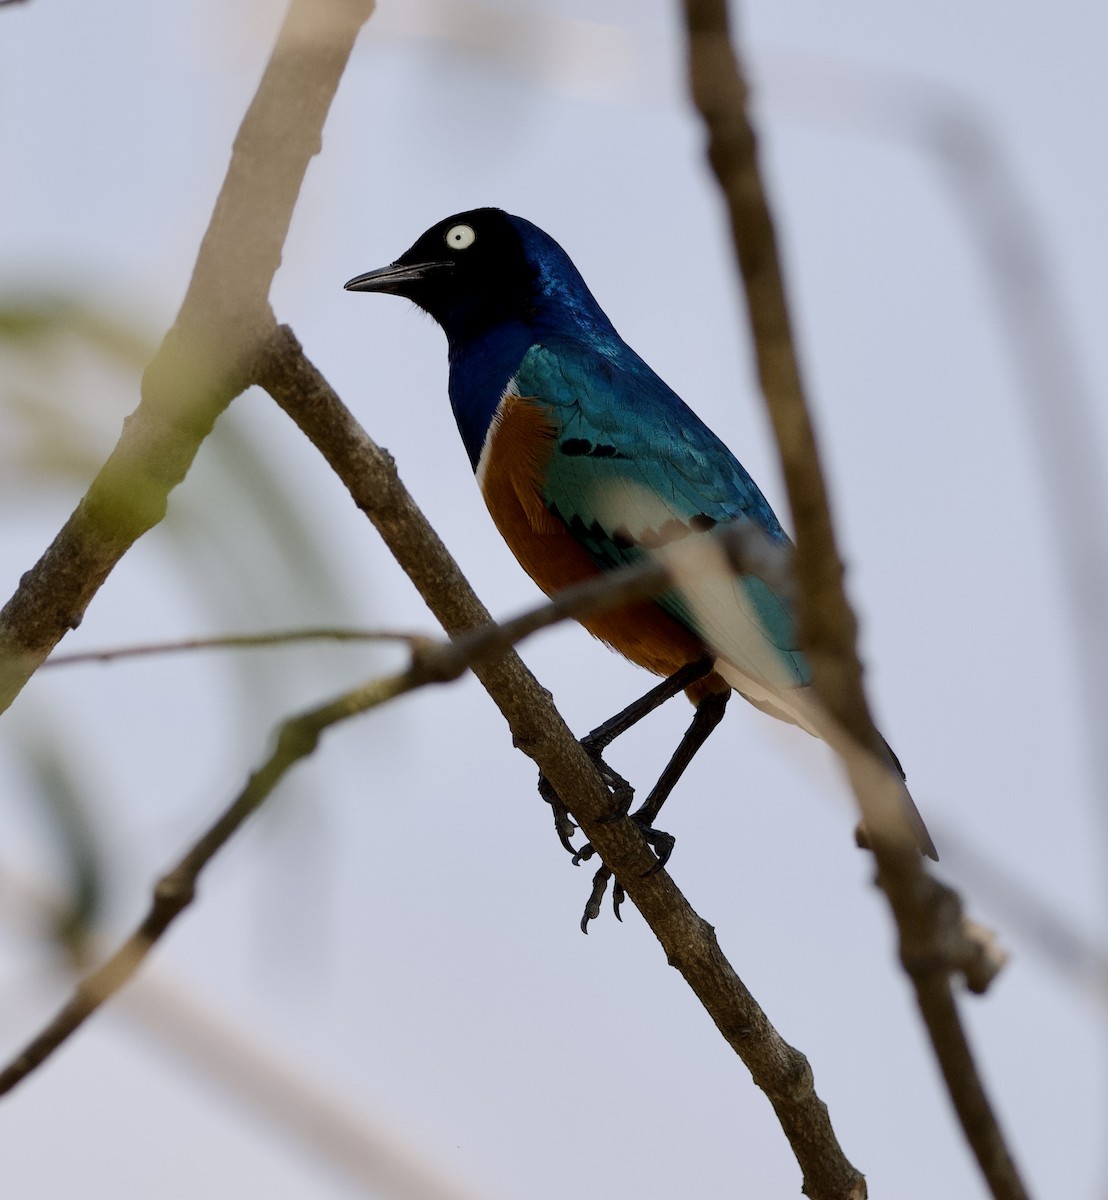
(621, 791)
(564, 826)
(596, 897)
(658, 840)
(622, 795)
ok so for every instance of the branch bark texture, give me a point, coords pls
(933, 941)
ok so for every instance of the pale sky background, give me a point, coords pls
(402, 926)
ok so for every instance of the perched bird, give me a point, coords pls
(588, 461)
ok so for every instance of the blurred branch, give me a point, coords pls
(739, 546)
(234, 1060)
(205, 359)
(175, 891)
(1075, 955)
(538, 730)
(235, 641)
(329, 1124)
(986, 192)
(935, 941)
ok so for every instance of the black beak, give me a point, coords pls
(396, 278)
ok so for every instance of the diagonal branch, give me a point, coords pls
(206, 358)
(934, 943)
(175, 891)
(299, 736)
(689, 942)
(787, 1079)
(204, 361)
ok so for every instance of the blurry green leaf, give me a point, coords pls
(66, 812)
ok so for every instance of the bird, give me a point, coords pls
(588, 461)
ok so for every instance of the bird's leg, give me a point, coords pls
(602, 736)
(709, 713)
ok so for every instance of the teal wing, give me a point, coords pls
(634, 468)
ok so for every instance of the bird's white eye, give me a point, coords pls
(459, 237)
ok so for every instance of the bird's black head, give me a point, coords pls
(469, 272)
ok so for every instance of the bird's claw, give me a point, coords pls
(584, 854)
(596, 897)
(621, 791)
(564, 826)
(658, 840)
(622, 794)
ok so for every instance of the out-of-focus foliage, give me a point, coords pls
(243, 551)
(63, 366)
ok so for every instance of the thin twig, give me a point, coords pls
(739, 546)
(175, 891)
(689, 942)
(297, 738)
(304, 1109)
(934, 939)
(204, 361)
(231, 641)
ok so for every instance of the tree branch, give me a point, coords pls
(935, 942)
(231, 641)
(689, 942)
(299, 1106)
(175, 891)
(204, 360)
(739, 546)
(299, 736)
(223, 339)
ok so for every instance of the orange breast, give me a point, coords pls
(521, 441)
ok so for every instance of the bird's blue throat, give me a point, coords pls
(480, 370)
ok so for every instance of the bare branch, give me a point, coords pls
(739, 546)
(174, 892)
(301, 1107)
(231, 641)
(306, 1110)
(689, 942)
(935, 941)
(296, 739)
(205, 358)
